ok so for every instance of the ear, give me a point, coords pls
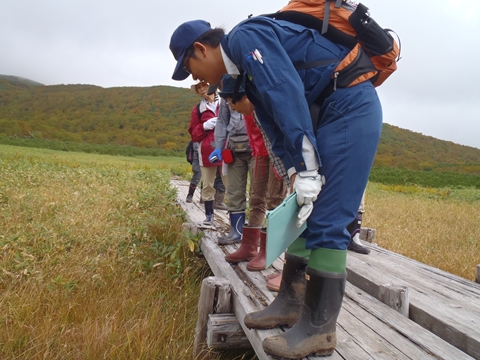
(200, 47)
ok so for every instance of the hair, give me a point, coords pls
(210, 37)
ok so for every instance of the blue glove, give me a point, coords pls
(216, 153)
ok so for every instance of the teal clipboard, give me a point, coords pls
(282, 230)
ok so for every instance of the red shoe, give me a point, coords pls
(273, 284)
(248, 248)
(258, 262)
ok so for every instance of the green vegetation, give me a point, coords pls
(405, 149)
(150, 117)
(94, 262)
(109, 149)
(433, 179)
(154, 118)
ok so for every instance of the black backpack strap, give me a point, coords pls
(312, 64)
(326, 14)
(316, 107)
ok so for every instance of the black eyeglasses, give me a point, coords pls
(185, 66)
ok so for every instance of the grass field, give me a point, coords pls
(94, 263)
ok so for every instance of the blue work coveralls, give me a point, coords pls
(349, 122)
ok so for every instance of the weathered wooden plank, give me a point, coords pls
(214, 297)
(441, 285)
(224, 331)
(430, 307)
(408, 337)
(244, 299)
(385, 334)
(364, 331)
(402, 264)
(368, 234)
(395, 297)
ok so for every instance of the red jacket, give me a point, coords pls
(255, 137)
(204, 138)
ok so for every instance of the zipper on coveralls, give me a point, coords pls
(335, 77)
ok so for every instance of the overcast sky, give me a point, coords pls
(110, 43)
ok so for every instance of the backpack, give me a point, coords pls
(374, 53)
(189, 152)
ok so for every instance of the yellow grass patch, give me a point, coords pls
(438, 227)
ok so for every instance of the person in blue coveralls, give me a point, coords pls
(325, 135)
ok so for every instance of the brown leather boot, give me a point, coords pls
(258, 262)
(248, 248)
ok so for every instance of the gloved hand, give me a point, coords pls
(307, 185)
(209, 124)
(218, 153)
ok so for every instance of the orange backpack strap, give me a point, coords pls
(310, 21)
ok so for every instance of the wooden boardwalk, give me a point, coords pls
(440, 318)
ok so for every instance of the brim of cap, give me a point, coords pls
(180, 73)
(212, 89)
(223, 95)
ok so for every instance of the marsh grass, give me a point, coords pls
(93, 260)
(438, 227)
(94, 263)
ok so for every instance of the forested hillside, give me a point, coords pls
(158, 117)
(139, 116)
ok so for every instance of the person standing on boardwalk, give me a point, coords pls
(201, 129)
(316, 129)
(197, 173)
(230, 129)
(354, 230)
(266, 190)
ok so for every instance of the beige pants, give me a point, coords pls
(208, 179)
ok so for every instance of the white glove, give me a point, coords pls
(209, 124)
(307, 186)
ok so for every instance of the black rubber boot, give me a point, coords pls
(287, 306)
(237, 220)
(315, 331)
(354, 230)
(191, 191)
(208, 213)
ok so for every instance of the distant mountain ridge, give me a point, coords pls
(9, 81)
(158, 117)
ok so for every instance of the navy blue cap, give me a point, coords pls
(183, 37)
(228, 87)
